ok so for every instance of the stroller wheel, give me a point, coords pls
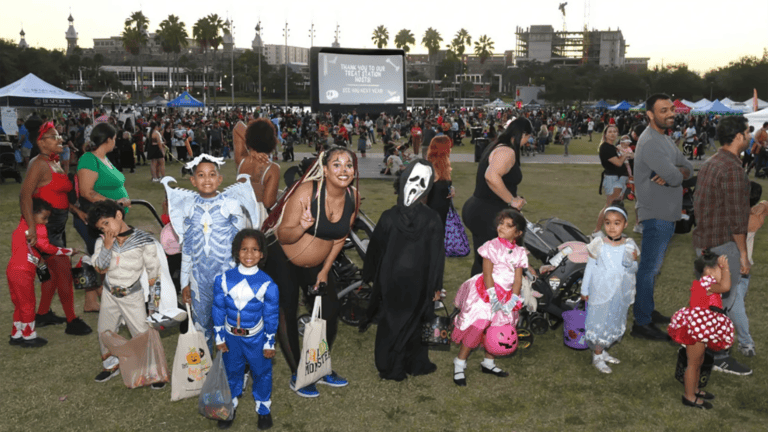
(539, 325)
(554, 321)
(352, 312)
(524, 338)
(302, 321)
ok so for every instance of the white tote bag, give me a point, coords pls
(190, 364)
(315, 361)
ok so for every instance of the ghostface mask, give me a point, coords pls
(415, 182)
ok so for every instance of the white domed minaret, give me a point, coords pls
(23, 43)
(71, 35)
(227, 40)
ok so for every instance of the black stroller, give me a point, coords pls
(562, 247)
(8, 166)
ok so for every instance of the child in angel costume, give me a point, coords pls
(206, 222)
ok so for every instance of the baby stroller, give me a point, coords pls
(8, 166)
(562, 247)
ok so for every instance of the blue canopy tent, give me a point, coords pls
(715, 107)
(601, 105)
(621, 106)
(185, 100)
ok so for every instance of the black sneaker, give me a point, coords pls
(731, 366)
(33, 343)
(15, 341)
(106, 375)
(658, 318)
(48, 318)
(78, 327)
(157, 386)
(265, 421)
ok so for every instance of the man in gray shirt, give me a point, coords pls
(660, 169)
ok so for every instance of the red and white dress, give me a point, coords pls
(698, 323)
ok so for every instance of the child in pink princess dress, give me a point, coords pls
(492, 297)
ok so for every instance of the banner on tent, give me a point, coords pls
(8, 120)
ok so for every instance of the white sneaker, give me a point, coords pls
(599, 363)
(608, 359)
(638, 229)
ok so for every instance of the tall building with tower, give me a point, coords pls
(541, 43)
(22, 42)
(71, 35)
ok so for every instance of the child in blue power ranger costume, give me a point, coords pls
(206, 222)
(245, 317)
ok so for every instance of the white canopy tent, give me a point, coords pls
(761, 104)
(700, 104)
(757, 119)
(32, 92)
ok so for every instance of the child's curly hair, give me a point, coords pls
(255, 234)
(517, 218)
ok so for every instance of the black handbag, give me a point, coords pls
(682, 365)
(436, 332)
(41, 268)
(85, 277)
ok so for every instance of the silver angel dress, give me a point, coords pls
(206, 228)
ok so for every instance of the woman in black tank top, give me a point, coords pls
(498, 175)
(316, 218)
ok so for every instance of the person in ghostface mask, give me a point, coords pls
(405, 261)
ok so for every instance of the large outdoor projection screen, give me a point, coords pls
(367, 80)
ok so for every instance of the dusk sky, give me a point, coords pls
(704, 34)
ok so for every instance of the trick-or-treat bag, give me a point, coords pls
(315, 361)
(190, 364)
(142, 359)
(215, 401)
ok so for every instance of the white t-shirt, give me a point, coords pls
(690, 133)
(591, 126)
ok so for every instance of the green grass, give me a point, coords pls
(551, 387)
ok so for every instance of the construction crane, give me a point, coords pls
(562, 9)
(585, 57)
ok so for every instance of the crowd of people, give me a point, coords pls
(248, 258)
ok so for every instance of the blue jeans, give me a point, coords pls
(656, 236)
(738, 313)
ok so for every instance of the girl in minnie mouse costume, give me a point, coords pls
(492, 297)
(703, 324)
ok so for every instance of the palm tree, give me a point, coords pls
(216, 25)
(135, 37)
(403, 39)
(202, 33)
(462, 39)
(431, 40)
(380, 36)
(458, 44)
(483, 48)
(172, 36)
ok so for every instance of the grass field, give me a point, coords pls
(551, 387)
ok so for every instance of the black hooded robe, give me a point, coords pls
(405, 259)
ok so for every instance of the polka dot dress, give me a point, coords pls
(700, 324)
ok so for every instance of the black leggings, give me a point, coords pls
(292, 281)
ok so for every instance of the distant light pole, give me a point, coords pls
(261, 50)
(232, 60)
(312, 35)
(285, 56)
